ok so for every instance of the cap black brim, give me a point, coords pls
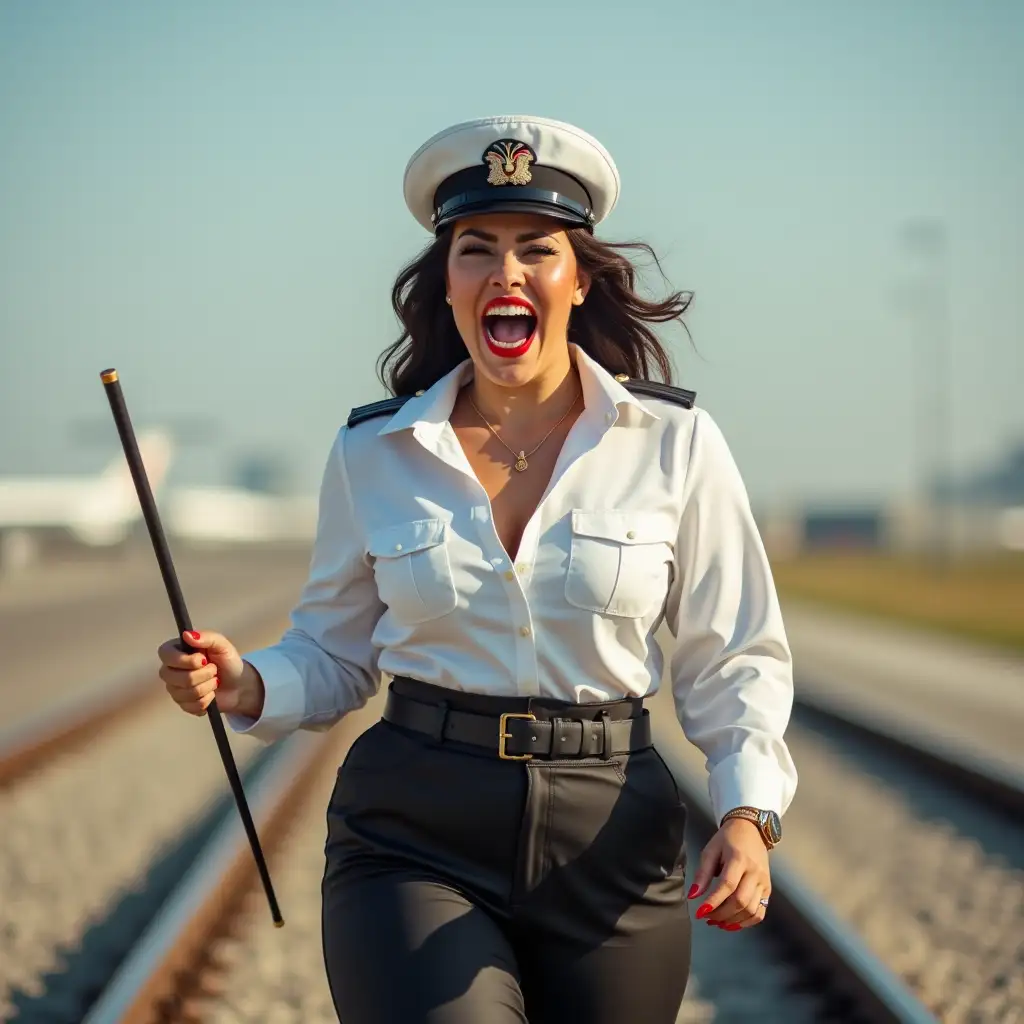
(492, 205)
(548, 191)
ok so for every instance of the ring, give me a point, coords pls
(764, 902)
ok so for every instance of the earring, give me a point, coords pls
(448, 299)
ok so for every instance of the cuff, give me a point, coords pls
(284, 701)
(749, 780)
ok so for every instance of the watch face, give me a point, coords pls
(772, 825)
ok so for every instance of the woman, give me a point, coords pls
(504, 538)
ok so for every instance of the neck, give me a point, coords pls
(545, 397)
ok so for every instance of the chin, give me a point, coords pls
(514, 376)
(508, 372)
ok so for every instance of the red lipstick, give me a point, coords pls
(509, 326)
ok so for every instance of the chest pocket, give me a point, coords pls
(413, 570)
(619, 562)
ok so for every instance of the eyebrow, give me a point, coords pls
(530, 236)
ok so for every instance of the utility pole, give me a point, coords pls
(926, 240)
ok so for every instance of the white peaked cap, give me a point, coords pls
(514, 163)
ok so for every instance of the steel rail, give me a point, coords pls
(150, 983)
(876, 992)
(993, 782)
(154, 981)
(33, 741)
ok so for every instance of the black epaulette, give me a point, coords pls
(384, 407)
(681, 396)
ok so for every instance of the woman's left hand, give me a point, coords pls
(737, 855)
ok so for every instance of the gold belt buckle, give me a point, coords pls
(504, 734)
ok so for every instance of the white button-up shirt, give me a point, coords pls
(645, 522)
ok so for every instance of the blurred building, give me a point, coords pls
(977, 513)
(1001, 485)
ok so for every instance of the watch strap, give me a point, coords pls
(751, 814)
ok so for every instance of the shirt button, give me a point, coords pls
(521, 568)
(398, 547)
(509, 575)
(631, 535)
(524, 630)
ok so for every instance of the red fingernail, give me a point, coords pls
(694, 889)
(216, 683)
(704, 910)
(204, 662)
(191, 635)
(732, 927)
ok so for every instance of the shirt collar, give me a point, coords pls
(602, 394)
(434, 406)
(607, 396)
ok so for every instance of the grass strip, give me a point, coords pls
(980, 599)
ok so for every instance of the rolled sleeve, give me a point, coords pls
(732, 673)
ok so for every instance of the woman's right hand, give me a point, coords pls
(213, 669)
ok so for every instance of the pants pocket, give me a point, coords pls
(381, 750)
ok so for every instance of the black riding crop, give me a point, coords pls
(112, 386)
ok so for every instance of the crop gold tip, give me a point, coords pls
(108, 376)
(279, 924)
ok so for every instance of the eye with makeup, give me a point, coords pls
(475, 248)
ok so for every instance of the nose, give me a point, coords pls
(508, 272)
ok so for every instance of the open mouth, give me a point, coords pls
(510, 325)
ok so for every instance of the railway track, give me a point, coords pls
(988, 780)
(917, 845)
(849, 982)
(102, 799)
(192, 939)
(174, 965)
(167, 969)
(69, 629)
(64, 727)
(805, 965)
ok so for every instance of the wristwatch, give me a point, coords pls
(768, 823)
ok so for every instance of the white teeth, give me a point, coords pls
(505, 344)
(510, 310)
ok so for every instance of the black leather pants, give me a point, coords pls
(463, 889)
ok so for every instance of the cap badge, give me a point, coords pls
(509, 162)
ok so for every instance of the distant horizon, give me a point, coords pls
(209, 199)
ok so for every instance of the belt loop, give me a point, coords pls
(606, 737)
(561, 734)
(437, 734)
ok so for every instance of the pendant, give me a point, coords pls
(521, 462)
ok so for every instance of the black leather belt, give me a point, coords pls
(521, 736)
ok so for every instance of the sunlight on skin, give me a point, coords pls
(530, 258)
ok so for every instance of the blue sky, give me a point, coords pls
(208, 196)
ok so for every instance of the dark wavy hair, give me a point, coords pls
(612, 325)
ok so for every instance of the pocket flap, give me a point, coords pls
(404, 538)
(625, 527)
